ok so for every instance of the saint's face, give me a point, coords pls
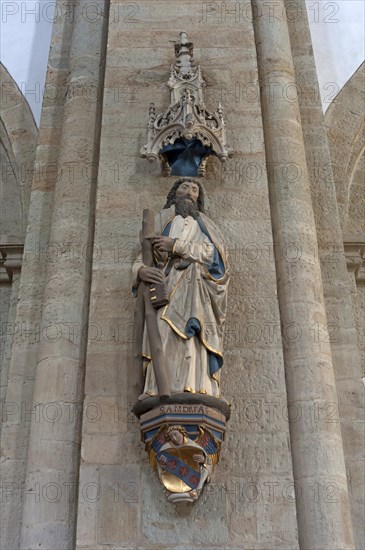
(188, 190)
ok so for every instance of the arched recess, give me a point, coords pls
(345, 122)
(345, 127)
(18, 140)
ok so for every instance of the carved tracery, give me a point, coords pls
(187, 119)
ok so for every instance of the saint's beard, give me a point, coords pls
(185, 208)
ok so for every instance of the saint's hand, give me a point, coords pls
(162, 244)
(151, 275)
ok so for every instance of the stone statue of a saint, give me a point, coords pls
(190, 252)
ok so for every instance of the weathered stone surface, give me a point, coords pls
(238, 201)
(119, 507)
(300, 300)
(335, 170)
(292, 307)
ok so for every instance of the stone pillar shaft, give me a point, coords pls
(340, 317)
(49, 514)
(317, 452)
(7, 337)
(37, 253)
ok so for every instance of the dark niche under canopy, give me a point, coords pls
(185, 156)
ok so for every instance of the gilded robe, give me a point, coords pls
(192, 324)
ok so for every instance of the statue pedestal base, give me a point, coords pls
(183, 436)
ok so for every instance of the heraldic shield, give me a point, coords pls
(178, 471)
(183, 464)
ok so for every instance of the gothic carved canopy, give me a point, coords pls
(187, 134)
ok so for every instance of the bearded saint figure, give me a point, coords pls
(192, 251)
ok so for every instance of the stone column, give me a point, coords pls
(49, 514)
(317, 452)
(11, 262)
(37, 253)
(340, 316)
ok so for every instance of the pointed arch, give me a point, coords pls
(345, 122)
(18, 142)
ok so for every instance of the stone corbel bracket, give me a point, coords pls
(355, 256)
(183, 435)
(187, 116)
(11, 256)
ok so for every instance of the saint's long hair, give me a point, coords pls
(171, 197)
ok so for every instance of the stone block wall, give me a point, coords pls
(81, 479)
(255, 505)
